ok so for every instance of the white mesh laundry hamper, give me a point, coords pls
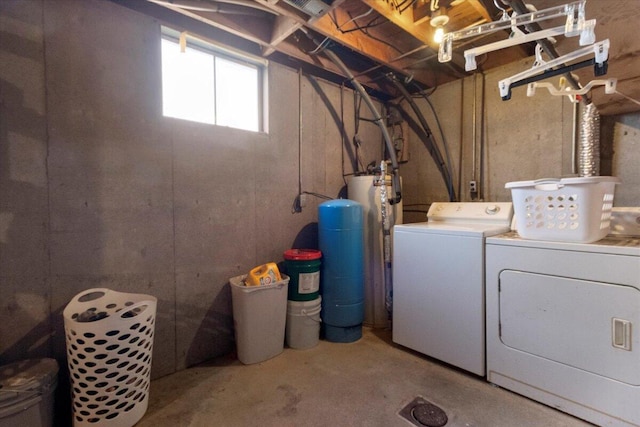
(109, 338)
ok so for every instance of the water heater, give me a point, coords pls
(362, 190)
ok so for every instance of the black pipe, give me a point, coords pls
(433, 148)
(427, 140)
(395, 177)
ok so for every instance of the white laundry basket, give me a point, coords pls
(565, 210)
(109, 338)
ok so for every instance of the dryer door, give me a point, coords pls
(589, 325)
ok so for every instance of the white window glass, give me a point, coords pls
(211, 84)
(237, 95)
(187, 83)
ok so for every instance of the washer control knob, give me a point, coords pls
(492, 209)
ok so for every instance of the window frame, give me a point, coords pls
(215, 49)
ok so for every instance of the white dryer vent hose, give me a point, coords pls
(589, 143)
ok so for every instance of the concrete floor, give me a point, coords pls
(365, 383)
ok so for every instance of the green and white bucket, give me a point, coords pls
(303, 268)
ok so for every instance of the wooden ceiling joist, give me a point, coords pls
(283, 27)
(405, 20)
(327, 26)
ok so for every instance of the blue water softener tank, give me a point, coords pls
(341, 241)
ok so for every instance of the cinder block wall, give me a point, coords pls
(98, 189)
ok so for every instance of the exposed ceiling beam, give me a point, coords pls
(231, 26)
(288, 22)
(421, 31)
(226, 30)
(283, 27)
(356, 40)
(480, 9)
(375, 50)
(227, 23)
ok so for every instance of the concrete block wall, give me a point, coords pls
(98, 189)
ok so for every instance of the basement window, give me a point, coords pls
(207, 83)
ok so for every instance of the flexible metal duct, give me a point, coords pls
(589, 143)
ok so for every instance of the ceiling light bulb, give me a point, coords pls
(438, 36)
(438, 21)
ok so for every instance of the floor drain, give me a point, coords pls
(429, 415)
(422, 413)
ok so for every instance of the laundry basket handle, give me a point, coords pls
(548, 184)
(131, 308)
(93, 295)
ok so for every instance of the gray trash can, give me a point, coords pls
(259, 318)
(26, 393)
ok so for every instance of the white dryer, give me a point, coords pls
(438, 281)
(563, 324)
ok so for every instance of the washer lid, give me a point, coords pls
(453, 229)
(22, 380)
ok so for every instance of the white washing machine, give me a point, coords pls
(438, 281)
(563, 324)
